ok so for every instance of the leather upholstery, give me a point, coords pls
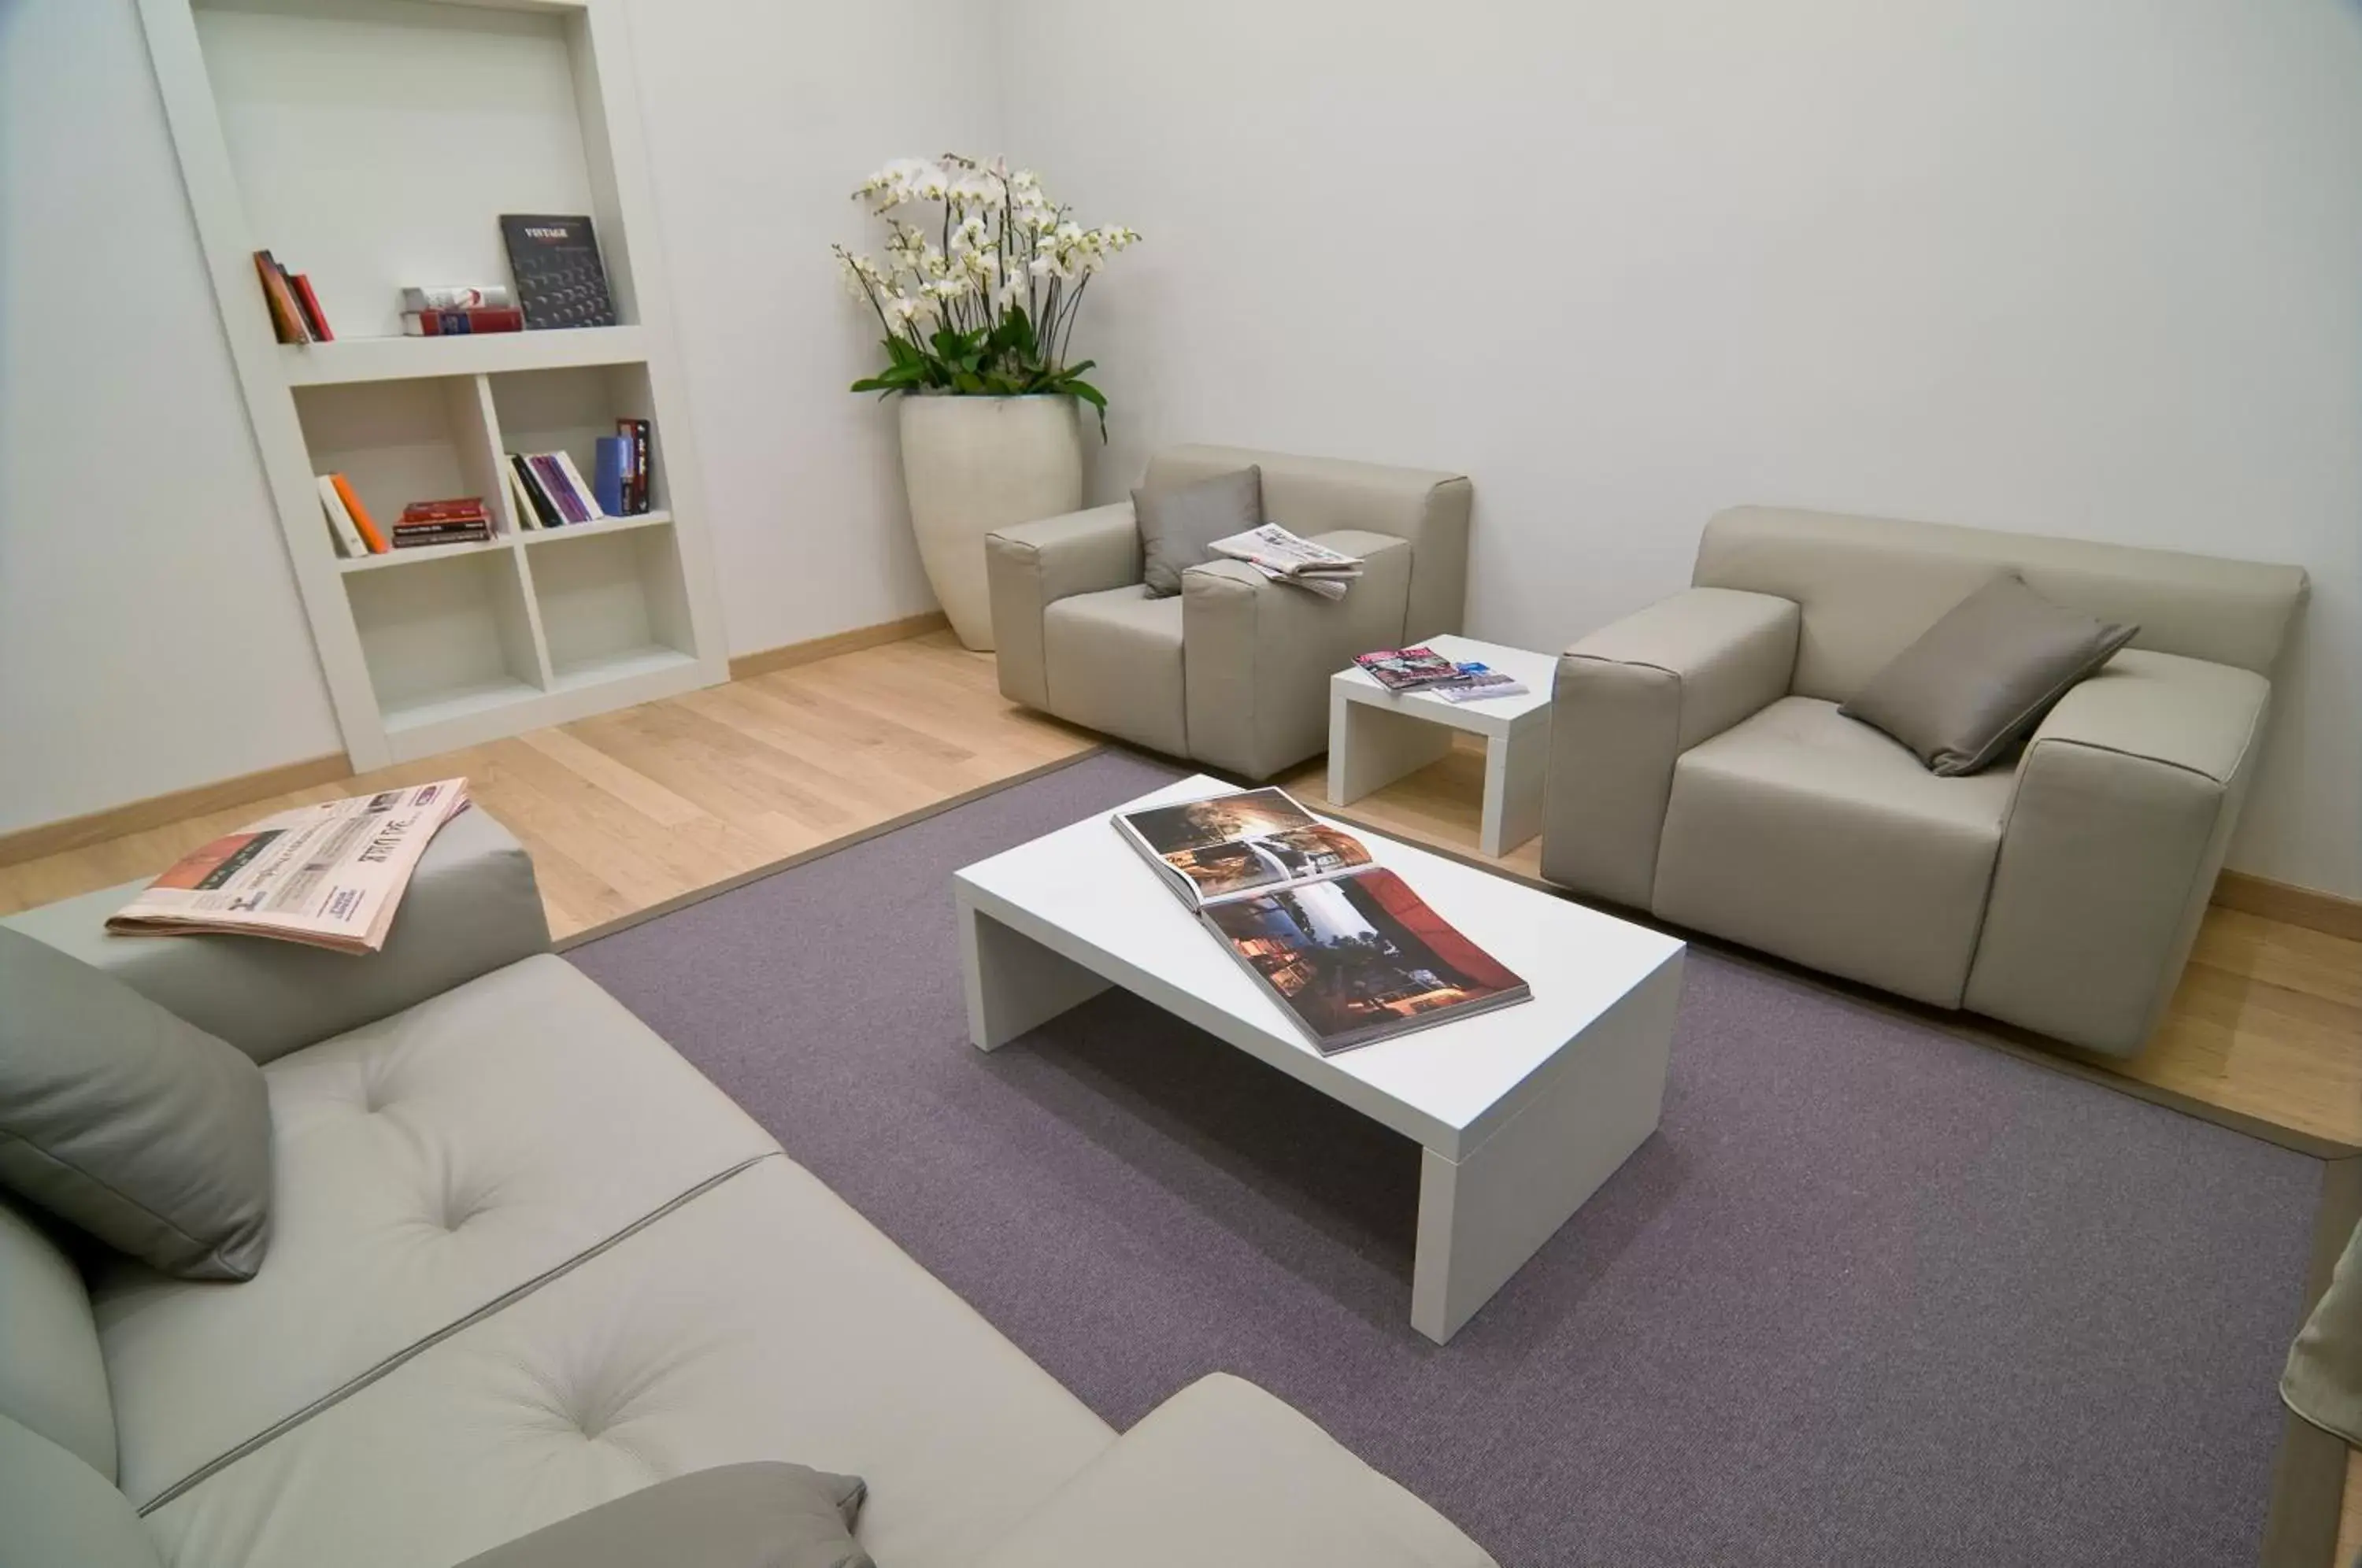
(766, 1514)
(1426, 509)
(1629, 698)
(52, 1379)
(1807, 834)
(1073, 640)
(2124, 807)
(761, 1320)
(1249, 644)
(1028, 569)
(2062, 894)
(57, 1512)
(1869, 586)
(1114, 662)
(426, 1166)
(1222, 1473)
(471, 907)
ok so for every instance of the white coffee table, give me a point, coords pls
(1520, 1114)
(1376, 736)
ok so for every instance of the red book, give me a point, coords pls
(455, 323)
(463, 509)
(315, 318)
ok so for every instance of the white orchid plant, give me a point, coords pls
(983, 302)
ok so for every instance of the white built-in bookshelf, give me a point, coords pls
(373, 144)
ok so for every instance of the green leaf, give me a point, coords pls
(900, 353)
(967, 381)
(1091, 395)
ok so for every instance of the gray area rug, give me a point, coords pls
(1873, 1294)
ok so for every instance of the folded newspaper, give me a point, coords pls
(327, 876)
(1289, 557)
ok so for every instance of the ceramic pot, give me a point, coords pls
(974, 464)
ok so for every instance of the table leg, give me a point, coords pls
(1514, 765)
(1481, 1217)
(1370, 747)
(1014, 983)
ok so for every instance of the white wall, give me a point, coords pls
(150, 636)
(2090, 269)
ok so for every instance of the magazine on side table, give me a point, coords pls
(1347, 947)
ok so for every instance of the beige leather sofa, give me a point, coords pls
(1700, 769)
(525, 1260)
(1234, 670)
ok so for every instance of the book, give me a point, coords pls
(638, 432)
(534, 509)
(315, 320)
(459, 323)
(611, 475)
(1351, 952)
(365, 525)
(479, 535)
(583, 494)
(560, 279)
(286, 317)
(464, 508)
(348, 539)
(1474, 682)
(555, 485)
(455, 296)
(1407, 669)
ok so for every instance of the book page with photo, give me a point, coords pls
(1230, 845)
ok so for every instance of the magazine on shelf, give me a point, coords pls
(1350, 951)
(327, 876)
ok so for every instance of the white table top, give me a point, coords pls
(1536, 670)
(1084, 892)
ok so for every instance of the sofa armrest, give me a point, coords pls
(1629, 698)
(1256, 655)
(2127, 796)
(1029, 566)
(471, 907)
(1224, 1474)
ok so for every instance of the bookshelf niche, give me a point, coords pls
(373, 144)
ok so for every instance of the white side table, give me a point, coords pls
(1376, 736)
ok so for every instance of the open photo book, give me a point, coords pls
(1351, 952)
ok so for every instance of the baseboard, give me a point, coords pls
(2307, 907)
(765, 660)
(160, 810)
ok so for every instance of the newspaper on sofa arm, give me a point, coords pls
(1289, 557)
(327, 876)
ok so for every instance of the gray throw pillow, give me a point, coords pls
(128, 1122)
(1977, 680)
(764, 1514)
(1177, 523)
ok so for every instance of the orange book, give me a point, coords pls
(362, 520)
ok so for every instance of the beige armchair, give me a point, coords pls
(1700, 769)
(1233, 671)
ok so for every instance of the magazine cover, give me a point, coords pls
(1407, 669)
(1346, 945)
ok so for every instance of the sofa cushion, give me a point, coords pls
(1802, 832)
(765, 1515)
(427, 1166)
(761, 1320)
(57, 1512)
(51, 1376)
(131, 1124)
(1114, 661)
(1178, 524)
(1982, 676)
(1222, 1473)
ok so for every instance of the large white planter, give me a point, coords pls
(974, 464)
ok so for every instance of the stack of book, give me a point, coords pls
(1428, 672)
(549, 491)
(459, 520)
(622, 468)
(453, 310)
(295, 314)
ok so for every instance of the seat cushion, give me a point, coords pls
(424, 1167)
(1815, 837)
(762, 1319)
(1113, 664)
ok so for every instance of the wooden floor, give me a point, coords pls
(629, 810)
